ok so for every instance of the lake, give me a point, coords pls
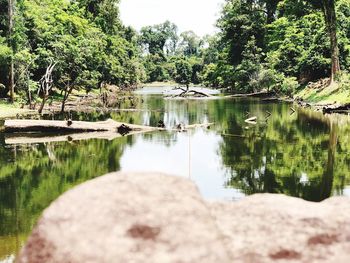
(302, 154)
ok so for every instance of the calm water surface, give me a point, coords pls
(303, 154)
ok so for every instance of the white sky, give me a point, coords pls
(197, 15)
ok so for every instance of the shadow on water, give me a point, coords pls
(304, 154)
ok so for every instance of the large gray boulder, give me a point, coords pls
(159, 218)
(277, 228)
(127, 218)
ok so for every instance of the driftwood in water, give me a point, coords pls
(260, 94)
(33, 138)
(326, 108)
(343, 109)
(78, 130)
(252, 120)
(187, 92)
(64, 126)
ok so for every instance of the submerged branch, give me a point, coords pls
(186, 92)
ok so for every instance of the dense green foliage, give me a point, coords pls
(276, 43)
(169, 56)
(261, 44)
(85, 39)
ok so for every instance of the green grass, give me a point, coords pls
(342, 97)
(336, 93)
(11, 110)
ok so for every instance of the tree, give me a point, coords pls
(271, 7)
(159, 43)
(331, 22)
(5, 57)
(241, 20)
(10, 43)
(171, 44)
(105, 13)
(183, 72)
(87, 45)
(299, 47)
(154, 38)
(250, 65)
(290, 35)
(328, 8)
(190, 44)
(46, 85)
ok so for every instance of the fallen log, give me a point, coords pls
(64, 126)
(199, 93)
(186, 92)
(21, 131)
(336, 108)
(33, 138)
(252, 119)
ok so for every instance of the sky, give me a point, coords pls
(197, 15)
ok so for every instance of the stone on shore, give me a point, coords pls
(277, 228)
(128, 217)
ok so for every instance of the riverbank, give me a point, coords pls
(110, 98)
(12, 110)
(329, 98)
(317, 95)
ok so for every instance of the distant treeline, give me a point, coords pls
(261, 44)
(84, 40)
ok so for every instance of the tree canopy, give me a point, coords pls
(300, 40)
(85, 39)
(261, 44)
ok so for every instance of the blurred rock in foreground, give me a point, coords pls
(128, 217)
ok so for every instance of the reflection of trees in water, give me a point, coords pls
(328, 174)
(173, 113)
(296, 155)
(32, 176)
(304, 155)
(165, 138)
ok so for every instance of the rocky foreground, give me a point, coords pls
(158, 218)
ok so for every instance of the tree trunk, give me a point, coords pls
(10, 41)
(331, 24)
(46, 83)
(67, 92)
(271, 7)
(63, 105)
(29, 94)
(42, 104)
